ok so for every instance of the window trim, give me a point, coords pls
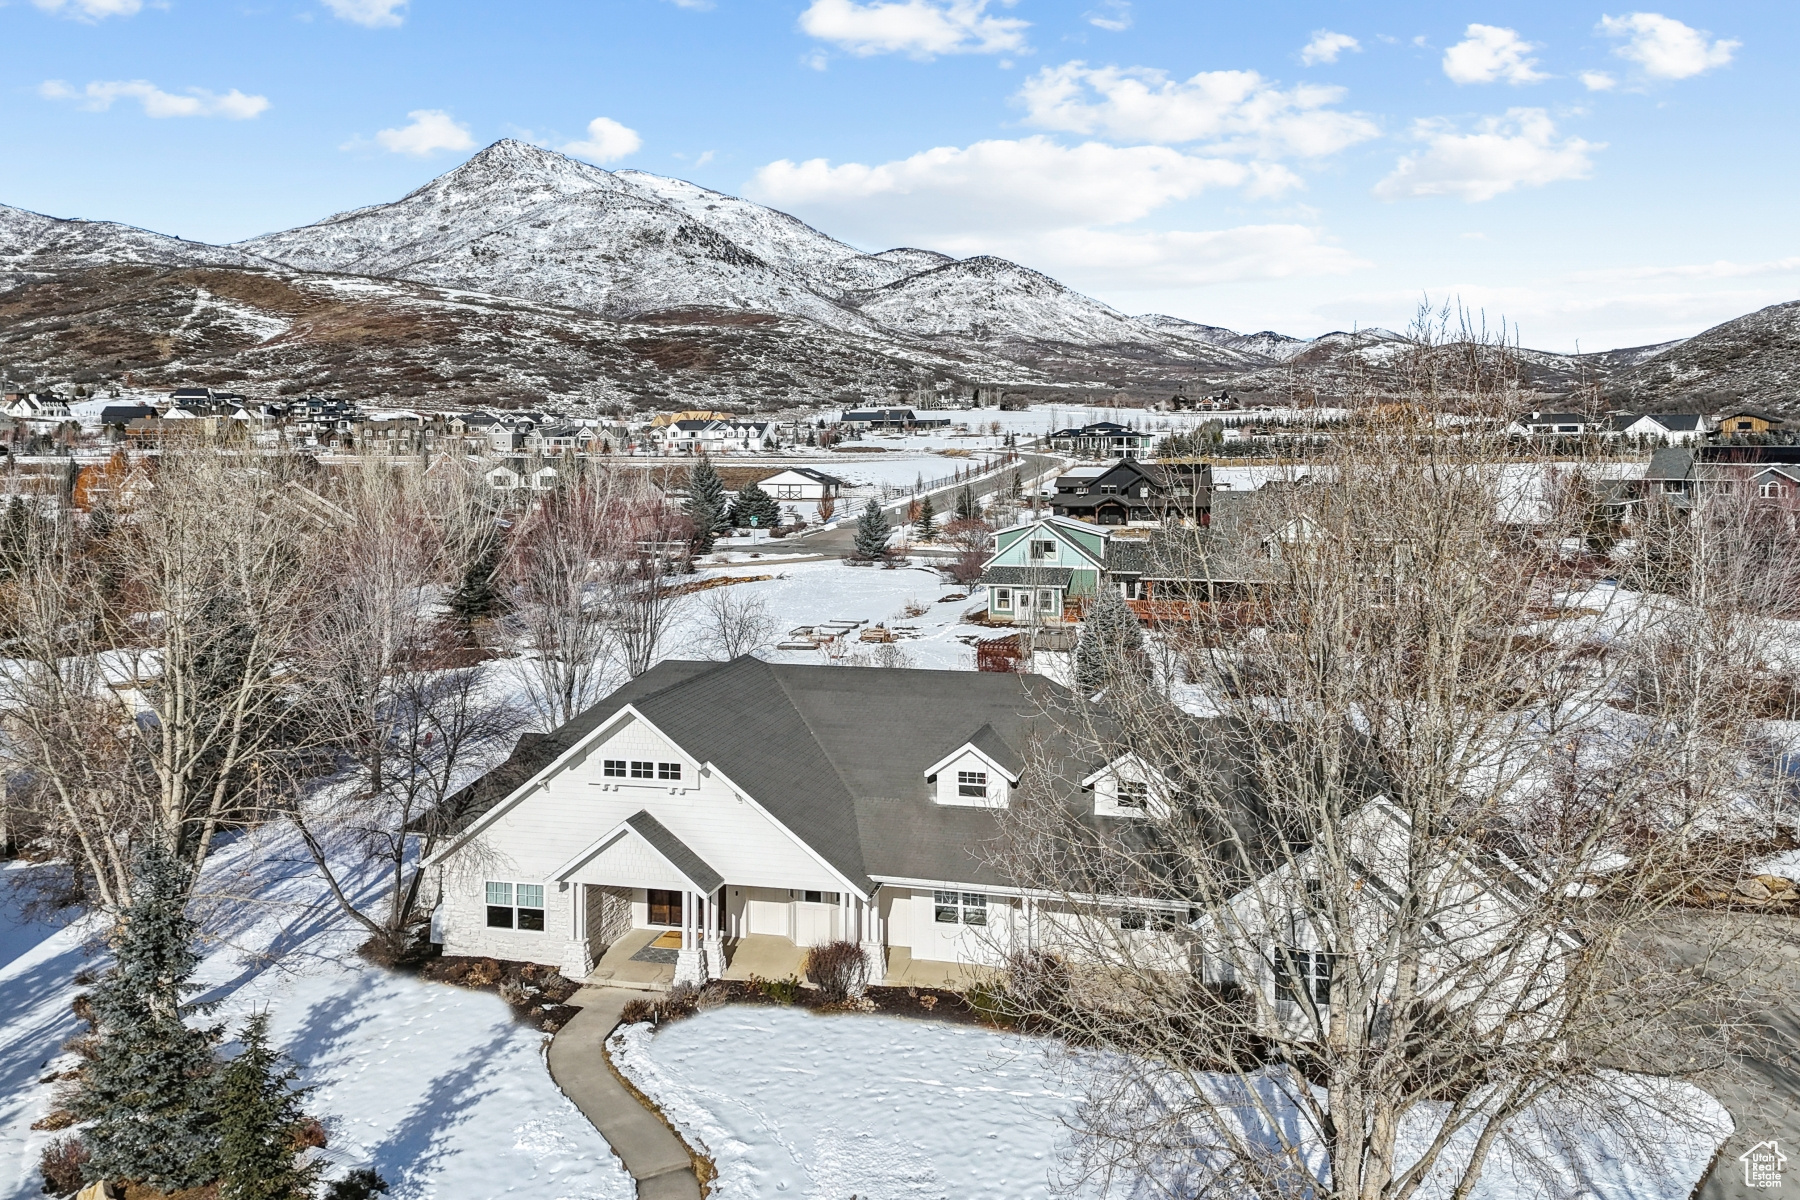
(963, 908)
(972, 785)
(517, 918)
(1002, 599)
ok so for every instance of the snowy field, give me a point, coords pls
(434, 1086)
(820, 1108)
(810, 593)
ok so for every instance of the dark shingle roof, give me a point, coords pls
(683, 859)
(1029, 576)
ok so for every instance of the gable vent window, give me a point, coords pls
(964, 908)
(1043, 549)
(613, 768)
(972, 783)
(1133, 793)
(642, 770)
(515, 906)
(668, 770)
(812, 897)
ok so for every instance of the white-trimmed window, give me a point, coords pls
(972, 784)
(1771, 490)
(1002, 599)
(515, 906)
(1043, 548)
(1305, 972)
(1134, 793)
(613, 768)
(810, 896)
(959, 908)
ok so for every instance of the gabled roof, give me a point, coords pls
(809, 473)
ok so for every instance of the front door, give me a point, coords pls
(665, 907)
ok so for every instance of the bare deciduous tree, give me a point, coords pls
(735, 622)
(1409, 834)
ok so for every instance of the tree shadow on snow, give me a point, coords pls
(421, 1142)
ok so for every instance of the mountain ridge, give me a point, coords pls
(616, 250)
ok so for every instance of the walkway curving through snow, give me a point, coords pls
(651, 1152)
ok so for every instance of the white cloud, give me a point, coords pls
(1721, 269)
(1113, 16)
(195, 102)
(373, 13)
(705, 157)
(606, 140)
(1326, 46)
(90, 10)
(1664, 47)
(1238, 109)
(432, 129)
(920, 28)
(1519, 149)
(1120, 264)
(1598, 81)
(1032, 184)
(1491, 52)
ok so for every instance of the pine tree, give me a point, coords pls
(755, 509)
(965, 505)
(1111, 646)
(925, 525)
(871, 532)
(476, 598)
(706, 504)
(259, 1116)
(146, 1090)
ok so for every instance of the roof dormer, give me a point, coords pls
(980, 773)
(1129, 787)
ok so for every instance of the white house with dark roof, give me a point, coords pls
(718, 818)
(801, 483)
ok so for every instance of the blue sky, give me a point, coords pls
(1596, 175)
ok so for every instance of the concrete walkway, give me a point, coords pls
(652, 1154)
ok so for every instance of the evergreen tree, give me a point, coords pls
(1112, 644)
(965, 505)
(146, 1090)
(259, 1117)
(925, 527)
(706, 504)
(755, 509)
(476, 598)
(871, 532)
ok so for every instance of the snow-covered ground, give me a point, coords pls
(791, 1104)
(434, 1086)
(811, 593)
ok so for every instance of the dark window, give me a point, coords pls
(1133, 793)
(1132, 918)
(643, 770)
(1305, 971)
(515, 906)
(813, 897)
(945, 907)
(971, 783)
(614, 767)
(668, 770)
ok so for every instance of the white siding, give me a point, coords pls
(540, 834)
(947, 783)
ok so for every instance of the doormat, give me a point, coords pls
(652, 953)
(668, 941)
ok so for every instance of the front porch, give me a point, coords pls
(636, 962)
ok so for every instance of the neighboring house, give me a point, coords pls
(1040, 569)
(1737, 424)
(690, 436)
(1132, 492)
(558, 439)
(114, 418)
(801, 483)
(518, 475)
(890, 418)
(1677, 429)
(801, 805)
(1681, 475)
(1101, 439)
(1550, 424)
(36, 406)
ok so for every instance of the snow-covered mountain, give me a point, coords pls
(695, 283)
(33, 246)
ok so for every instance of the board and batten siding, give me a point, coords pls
(576, 807)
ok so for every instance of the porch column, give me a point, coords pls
(714, 938)
(578, 953)
(870, 934)
(690, 960)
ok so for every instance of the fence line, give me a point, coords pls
(890, 490)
